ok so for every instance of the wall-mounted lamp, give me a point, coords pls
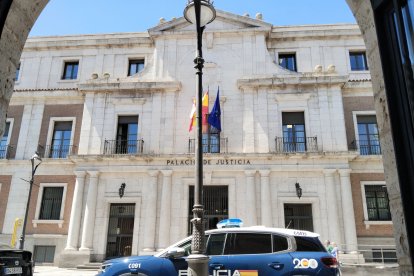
(298, 190)
(121, 190)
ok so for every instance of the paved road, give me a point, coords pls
(55, 271)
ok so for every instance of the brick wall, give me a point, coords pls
(373, 230)
(15, 112)
(355, 104)
(50, 228)
(70, 110)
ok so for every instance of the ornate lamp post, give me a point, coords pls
(36, 160)
(200, 13)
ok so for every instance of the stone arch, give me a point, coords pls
(17, 17)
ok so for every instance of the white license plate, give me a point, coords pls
(13, 270)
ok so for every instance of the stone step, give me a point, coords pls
(351, 258)
(93, 266)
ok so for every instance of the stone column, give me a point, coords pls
(90, 212)
(165, 212)
(348, 211)
(250, 202)
(334, 231)
(150, 207)
(265, 199)
(75, 214)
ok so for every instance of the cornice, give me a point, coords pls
(138, 86)
(280, 81)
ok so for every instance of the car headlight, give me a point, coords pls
(105, 266)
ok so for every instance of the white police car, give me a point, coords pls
(239, 251)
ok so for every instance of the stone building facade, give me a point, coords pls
(297, 108)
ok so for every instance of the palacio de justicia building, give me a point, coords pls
(109, 115)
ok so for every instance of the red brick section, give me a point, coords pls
(51, 228)
(68, 110)
(355, 104)
(15, 112)
(374, 230)
(5, 181)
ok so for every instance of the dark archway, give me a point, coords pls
(18, 16)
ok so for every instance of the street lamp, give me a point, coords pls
(36, 160)
(200, 13)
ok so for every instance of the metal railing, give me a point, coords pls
(367, 253)
(123, 147)
(366, 147)
(210, 145)
(305, 144)
(7, 152)
(56, 151)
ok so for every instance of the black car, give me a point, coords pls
(15, 261)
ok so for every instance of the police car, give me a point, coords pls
(237, 251)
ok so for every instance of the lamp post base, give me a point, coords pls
(197, 265)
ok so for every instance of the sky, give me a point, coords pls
(67, 17)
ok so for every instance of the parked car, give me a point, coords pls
(15, 261)
(244, 251)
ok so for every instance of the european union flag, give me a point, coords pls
(214, 117)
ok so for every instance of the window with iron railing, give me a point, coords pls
(61, 140)
(294, 135)
(51, 203)
(368, 136)
(377, 202)
(126, 141)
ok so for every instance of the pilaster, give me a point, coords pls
(150, 203)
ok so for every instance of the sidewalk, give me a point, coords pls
(53, 271)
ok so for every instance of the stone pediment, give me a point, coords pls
(224, 21)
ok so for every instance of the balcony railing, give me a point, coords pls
(6, 152)
(123, 147)
(56, 151)
(286, 145)
(366, 147)
(210, 145)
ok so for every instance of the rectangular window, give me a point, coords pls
(211, 140)
(62, 133)
(280, 243)
(44, 254)
(70, 71)
(358, 61)
(378, 207)
(288, 61)
(51, 203)
(135, 66)
(4, 142)
(368, 136)
(294, 136)
(215, 244)
(127, 135)
(248, 243)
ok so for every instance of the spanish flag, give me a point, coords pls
(249, 273)
(193, 113)
(205, 112)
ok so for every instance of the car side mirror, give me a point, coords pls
(175, 252)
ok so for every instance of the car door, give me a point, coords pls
(253, 254)
(214, 249)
